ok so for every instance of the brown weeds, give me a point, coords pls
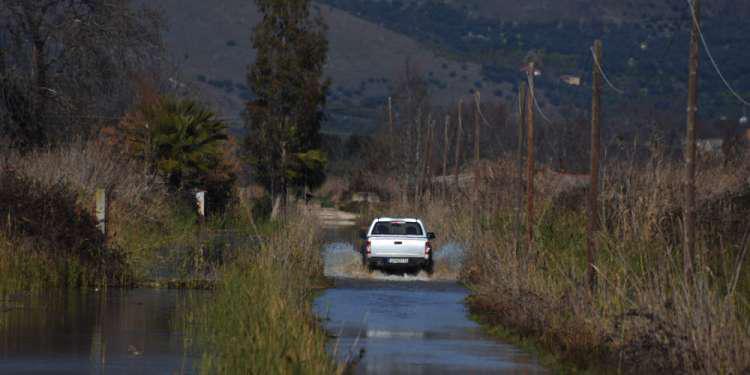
(642, 317)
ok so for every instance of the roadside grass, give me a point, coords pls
(548, 359)
(642, 315)
(260, 321)
(26, 269)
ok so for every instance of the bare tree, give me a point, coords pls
(68, 62)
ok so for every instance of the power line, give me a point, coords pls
(711, 57)
(604, 75)
(533, 98)
(479, 109)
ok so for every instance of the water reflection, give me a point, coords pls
(118, 331)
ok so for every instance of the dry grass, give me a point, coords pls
(88, 165)
(642, 317)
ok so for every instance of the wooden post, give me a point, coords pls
(477, 170)
(200, 200)
(530, 161)
(446, 145)
(101, 211)
(390, 132)
(519, 186)
(595, 154)
(692, 109)
(456, 166)
(428, 155)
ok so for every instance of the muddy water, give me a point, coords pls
(113, 332)
(408, 323)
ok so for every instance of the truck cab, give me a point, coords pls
(397, 243)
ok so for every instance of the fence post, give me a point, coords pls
(200, 200)
(101, 211)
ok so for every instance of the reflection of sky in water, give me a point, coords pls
(413, 327)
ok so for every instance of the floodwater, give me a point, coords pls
(112, 332)
(408, 323)
(393, 323)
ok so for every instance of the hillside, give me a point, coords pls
(645, 45)
(460, 46)
(211, 44)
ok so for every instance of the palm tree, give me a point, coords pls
(181, 139)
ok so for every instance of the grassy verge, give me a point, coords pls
(546, 358)
(260, 320)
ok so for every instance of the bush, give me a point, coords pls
(46, 232)
(49, 214)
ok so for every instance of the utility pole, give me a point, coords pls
(519, 186)
(530, 161)
(596, 112)
(446, 148)
(692, 109)
(458, 142)
(477, 169)
(390, 132)
(428, 154)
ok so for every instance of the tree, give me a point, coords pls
(185, 144)
(67, 63)
(284, 119)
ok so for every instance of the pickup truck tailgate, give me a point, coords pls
(397, 247)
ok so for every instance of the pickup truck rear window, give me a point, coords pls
(396, 228)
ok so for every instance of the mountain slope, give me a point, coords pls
(645, 45)
(210, 41)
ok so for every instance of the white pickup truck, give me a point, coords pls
(397, 243)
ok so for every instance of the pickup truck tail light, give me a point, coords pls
(368, 247)
(427, 248)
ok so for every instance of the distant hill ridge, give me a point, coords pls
(466, 45)
(211, 44)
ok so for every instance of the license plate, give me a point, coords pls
(398, 260)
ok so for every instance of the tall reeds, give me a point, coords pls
(260, 320)
(642, 315)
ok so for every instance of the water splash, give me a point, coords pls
(343, 260)
(449, 260)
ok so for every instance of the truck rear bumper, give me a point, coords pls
(396, 262)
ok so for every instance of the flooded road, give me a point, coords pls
(114, 332)
(409, 324)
